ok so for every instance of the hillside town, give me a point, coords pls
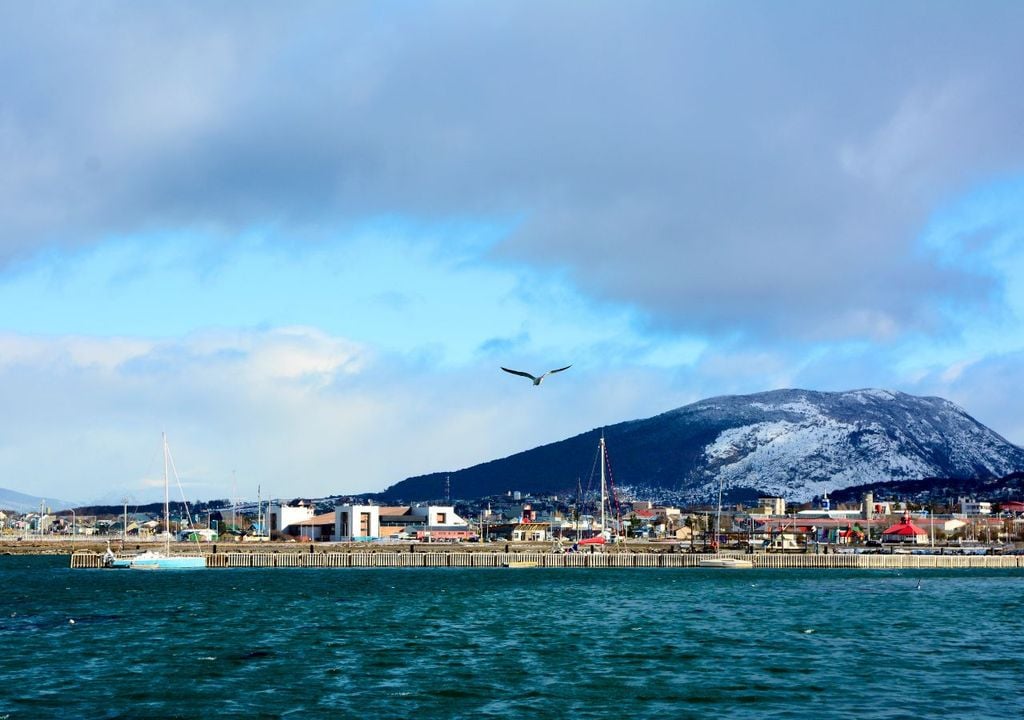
(772, 525)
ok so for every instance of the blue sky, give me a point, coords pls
(302, 240)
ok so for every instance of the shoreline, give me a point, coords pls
(30, 546)
(86, 555)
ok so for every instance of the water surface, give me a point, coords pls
(500, 643)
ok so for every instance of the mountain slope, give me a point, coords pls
(22, 503)
(791, 443)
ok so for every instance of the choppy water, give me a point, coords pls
(496, 643)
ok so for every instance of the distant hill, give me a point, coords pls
(795, 444)
(22, 503)
(176, 508)
(940, 490)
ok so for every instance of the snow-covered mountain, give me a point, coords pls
(790, 443)
(797, 444)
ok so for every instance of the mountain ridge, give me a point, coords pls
(23, 503)
(791, 442)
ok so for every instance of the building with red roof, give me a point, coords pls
(905, 532)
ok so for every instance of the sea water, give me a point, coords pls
(508, 643)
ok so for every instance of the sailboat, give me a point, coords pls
(156, 559)
(723, 562)
(607, 534)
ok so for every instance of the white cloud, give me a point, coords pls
(293, 409)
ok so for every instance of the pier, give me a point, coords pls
(391, 559)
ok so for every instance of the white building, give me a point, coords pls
(438, 516)
(770, 506)
(830, 514)
(356, 522)
(971, 507)
(281, 517)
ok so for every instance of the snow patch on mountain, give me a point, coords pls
(811, 443)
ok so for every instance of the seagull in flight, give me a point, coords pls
(536, 380)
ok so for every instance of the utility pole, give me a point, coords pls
(931, 519)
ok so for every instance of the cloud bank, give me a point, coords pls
(726, 168)
(309, 234)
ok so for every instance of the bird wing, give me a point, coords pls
(519, 372)
(558, 370)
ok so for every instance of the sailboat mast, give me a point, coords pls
(604, 492)
(718, 516)
(579, 506)
(167, 500)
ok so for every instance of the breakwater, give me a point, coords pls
(577, 560)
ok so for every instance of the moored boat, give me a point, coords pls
(155, 559)
(726, 562)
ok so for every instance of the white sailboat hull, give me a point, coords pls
(173, 562)
(732, 563)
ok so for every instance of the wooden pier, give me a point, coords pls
(390, 559)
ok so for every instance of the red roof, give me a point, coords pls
(904, 528)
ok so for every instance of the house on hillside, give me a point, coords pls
(1012, 507)
(975, 507)
(769, 506)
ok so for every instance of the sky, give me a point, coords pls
(301, 239)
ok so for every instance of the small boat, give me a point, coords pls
(521, 564)
(155, 559)
(726, 562)
(721, 561)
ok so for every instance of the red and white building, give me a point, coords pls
(905, 532)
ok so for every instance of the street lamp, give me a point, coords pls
(73, 522)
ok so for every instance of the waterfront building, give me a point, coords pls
(357, 522)
(198, 535)
(320, 528)
(282, 517)
(684, 533)
(440, 522)
(531, 532)
(830, 514)
(905, 531)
